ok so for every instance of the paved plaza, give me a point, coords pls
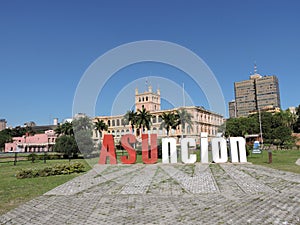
(168, 194)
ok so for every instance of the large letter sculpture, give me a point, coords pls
(145, 149)
(204, 147)
(185, 143)
(237, 149)
(126, 142)
(219, 150)
(165, 150)
(108, 150)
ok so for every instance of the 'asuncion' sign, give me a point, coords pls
(169, 151)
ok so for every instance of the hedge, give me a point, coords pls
(57, 169)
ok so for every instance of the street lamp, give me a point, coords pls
(260, 127)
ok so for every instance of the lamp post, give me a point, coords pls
(260, 127)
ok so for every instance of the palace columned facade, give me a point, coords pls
(203, 120)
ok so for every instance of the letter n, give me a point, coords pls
(145, 149)
(169, 144)
(108, 150)
(238, 149)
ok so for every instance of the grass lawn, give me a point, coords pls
(14, 192)
(282, 160)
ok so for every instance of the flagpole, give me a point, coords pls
(183, 99)
(183, 95)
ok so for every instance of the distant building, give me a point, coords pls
(30, 124)
(2, 124)
(293, 109)
(55, 121)
(42, 128)
(203, 119)
(148, 100)
(35, 143)
(232, 109)
(257, 93)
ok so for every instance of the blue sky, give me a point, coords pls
(46, 46)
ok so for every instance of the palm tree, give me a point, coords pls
(290, 118)
(143, 119)
(58, 130)
(100, 126)
(170, 120)
(185, 118)
(82, 123)
(130, 118)
(67, 128)
(64, 129)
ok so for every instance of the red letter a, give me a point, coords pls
(145, 150)
(108, 150)
(125, 140)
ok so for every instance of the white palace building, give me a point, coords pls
(203, 120)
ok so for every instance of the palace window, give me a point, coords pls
(154, 119)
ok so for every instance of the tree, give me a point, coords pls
(143, 119)
(82, 123)
(296, 125)
(17, 131)
(100, 126)
(184, 118)
(84, 142)
(170, 120)
(281, 136)
(276, 128)
(83, 134)
(241, 126)
(289, 118)
(5, 137)
(58, 130)
(65, 129)
(130, 118)
(67, 145)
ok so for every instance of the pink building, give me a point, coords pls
(35, 143)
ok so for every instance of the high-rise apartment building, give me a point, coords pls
(232, 109)
(257, 93)
(2, 124)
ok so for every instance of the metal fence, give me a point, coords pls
(15, 157)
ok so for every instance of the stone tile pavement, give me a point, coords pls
(168, 194)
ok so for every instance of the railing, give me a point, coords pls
(6, 157)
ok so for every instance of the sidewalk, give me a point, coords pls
(168, 194)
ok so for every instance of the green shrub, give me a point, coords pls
(28, 173)
(57, 169)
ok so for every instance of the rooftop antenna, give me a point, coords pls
(146, 84)
(255, 68)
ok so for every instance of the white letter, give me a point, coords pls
(238, 148)
(165, 150)
(204, 147)
(219, 150)
(184, 150)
